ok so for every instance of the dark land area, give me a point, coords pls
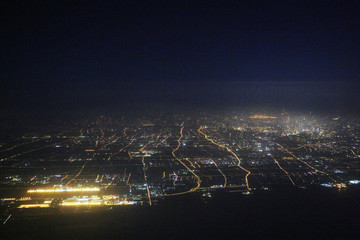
(316, 213)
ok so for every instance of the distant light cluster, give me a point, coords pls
(259, 116)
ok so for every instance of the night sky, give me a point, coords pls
(61, 56)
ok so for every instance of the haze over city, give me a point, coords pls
(179, 119)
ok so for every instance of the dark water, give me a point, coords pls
(300, 214)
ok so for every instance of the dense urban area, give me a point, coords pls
(107, 162)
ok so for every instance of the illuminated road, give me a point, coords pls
(287, 151)
(114, 141)
(287, 174)
(128, 180)
(179, 144)
(225, 178)
(221, 172)
(178, 159)
(144, 170)
(230, 151)
(76, 174)
(307, 164)
(36, 149)
(7, 219)
(62, 179)
(109, 158)
(21, 144)
(305, 145)
(358, 156)
(162, 141)
(143, 148)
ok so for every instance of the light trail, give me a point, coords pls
(230, 151)
(179, 160)
(287, 174)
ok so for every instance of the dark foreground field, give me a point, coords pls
(299, 214)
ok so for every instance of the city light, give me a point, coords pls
(259, 116)
(42, 205)
(59, 190)
(79, 203)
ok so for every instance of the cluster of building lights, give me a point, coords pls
(95, 200)
(259, 116)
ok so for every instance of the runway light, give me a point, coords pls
(58, 190)
(34, 206)
(8, 199)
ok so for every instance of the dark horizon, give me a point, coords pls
(326, 97)
(65, 57)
